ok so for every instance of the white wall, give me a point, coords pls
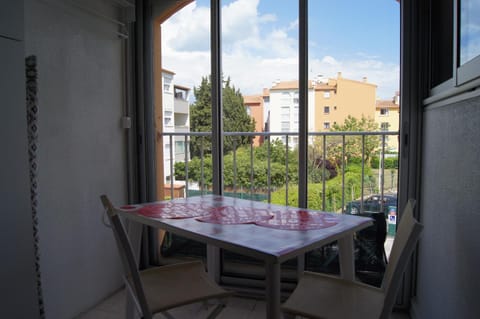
(81, 153)
(449, 251)
(18, 297)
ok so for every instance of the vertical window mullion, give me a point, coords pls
(217, 109)
(303, 104)
(456, 40)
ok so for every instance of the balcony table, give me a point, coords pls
(273, 246)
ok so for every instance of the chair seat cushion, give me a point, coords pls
(323, 296)
(176, 285)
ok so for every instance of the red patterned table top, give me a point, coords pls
(229, 211)
(228, 215)
(175, 210)
(297, 219)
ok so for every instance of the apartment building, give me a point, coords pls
(387, 115)
(176, 118)
(330, 101)
(284, 108)
(336, 98)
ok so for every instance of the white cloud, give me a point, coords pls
(329, 60)
(256, 51)
(293, 25)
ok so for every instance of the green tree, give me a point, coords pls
(353, 144)
(238, 169)
(235, 118)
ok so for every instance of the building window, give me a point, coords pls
(167, 83)
(335, 108)
(326, 109)
(326, 125)
(384, 126)
(285, 126)
(384, 111)
(167, 118)
(249, 110)
(179, 147)
(285, 113)
(326, 94)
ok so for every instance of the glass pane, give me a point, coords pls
(354, 71)
(469, 30)
(185, 67)
(260, 68)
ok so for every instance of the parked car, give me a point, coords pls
(372, 204)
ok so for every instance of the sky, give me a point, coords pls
(260, 42)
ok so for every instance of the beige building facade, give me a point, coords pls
(387, 115)
(335, 99)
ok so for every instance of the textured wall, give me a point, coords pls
(81, 151)
(18, 297)
(449, 257)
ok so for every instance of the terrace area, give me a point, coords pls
(89, 81)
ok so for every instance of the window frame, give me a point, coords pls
(464, 77)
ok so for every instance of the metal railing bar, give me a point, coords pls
(286, 167)
(254, 134)
(343, 174)
(382, 172)
(324, 169)
(363, 174)
(235, 166)
(170, 140)
(269, 175)
(202, 165)
(186, 148)
(251, 167)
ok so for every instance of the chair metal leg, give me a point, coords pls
(216, 311)
(130, 308)
(167, 315)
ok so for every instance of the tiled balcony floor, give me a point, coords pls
(237, 307)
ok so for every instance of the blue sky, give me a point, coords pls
(260, 42)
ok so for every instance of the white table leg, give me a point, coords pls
(347, 263)
(213, 262)
(273, 290)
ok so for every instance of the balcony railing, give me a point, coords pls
(343, 144)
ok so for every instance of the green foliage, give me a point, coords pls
(333, 190)
(235, 118)
(238, 170)
(195, 170)
(389, 162)
(353, 144)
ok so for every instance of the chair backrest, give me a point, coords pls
(130, 265)
(408, 233)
